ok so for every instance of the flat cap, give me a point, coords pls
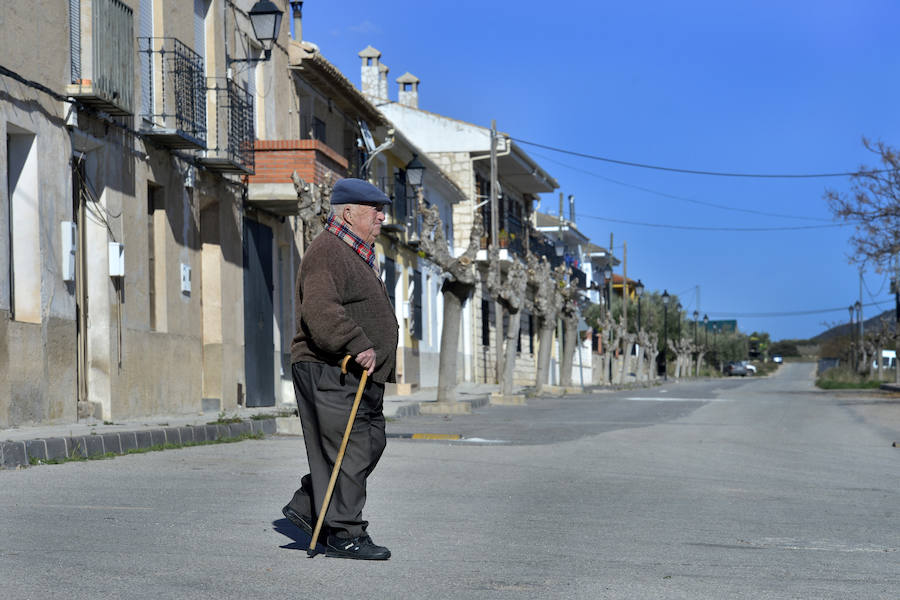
(357, 191)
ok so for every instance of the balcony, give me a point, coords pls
(231, 133)
(173, 94)
(102, 65)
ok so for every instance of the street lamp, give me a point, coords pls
(665, 299)
(415, 172)
(696, 316)
(678, 310)
(415, 176)
(706, 330)
(607, 276)
(639, 290)
(265, 18)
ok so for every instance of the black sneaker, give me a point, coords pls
(301, 521)
(360, 548)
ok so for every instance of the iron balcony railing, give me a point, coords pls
(173, 106)
(231, 136)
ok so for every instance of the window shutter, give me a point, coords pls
(145, 30)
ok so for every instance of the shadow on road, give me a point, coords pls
(300, 537)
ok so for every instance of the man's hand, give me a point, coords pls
(366, 359)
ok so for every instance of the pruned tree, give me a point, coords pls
(509, 291)
(643, 342)
(652, 353)
(313, 205)
(682, 349)
(546, 283)
(459, 283)
(873, 207)
(569, 314)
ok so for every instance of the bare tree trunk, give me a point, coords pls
(570, 333)
(510, 343)
(545, 341)
(627, 344)
(456, 289)
(455, 296)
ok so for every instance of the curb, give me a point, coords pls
(18, 455)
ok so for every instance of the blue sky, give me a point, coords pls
(750, 87)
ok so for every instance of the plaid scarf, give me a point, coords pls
(343, 232)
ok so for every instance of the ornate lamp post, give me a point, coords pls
(665, 299)
(265, 18)
(639, 290)
(706, 329)
(415, 176)
(678, 312)
(696, 316)
(607, 277)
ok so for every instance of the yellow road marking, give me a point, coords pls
(436, 436)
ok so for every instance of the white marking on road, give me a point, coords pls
(480, 441)
(91, 507)
(671, 399)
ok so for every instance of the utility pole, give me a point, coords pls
(861, 325)
(625, 288)
(495, 241)
(609, 283)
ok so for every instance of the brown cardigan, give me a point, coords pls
(342, 307)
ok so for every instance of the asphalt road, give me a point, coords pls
(756, 488)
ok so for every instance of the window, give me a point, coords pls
(23, 223)
(485, 323)
(390, 279)
(531, 334)
(399, 203)
(319, 129)
(155, 253)
(417, 305)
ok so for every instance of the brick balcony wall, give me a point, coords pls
(312, 159)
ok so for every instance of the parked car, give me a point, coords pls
(735, 368)
(777, 359)
(751, 369)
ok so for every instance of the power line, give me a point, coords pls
(676, 197)
(699, 172)
(701, 228)
(787, 314)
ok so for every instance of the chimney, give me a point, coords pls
(370, 72)
(409, 90)
(572, 208)
(297, 19)
(383, 81)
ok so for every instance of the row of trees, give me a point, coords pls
(633, 347)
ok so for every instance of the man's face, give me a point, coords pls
(365, 220)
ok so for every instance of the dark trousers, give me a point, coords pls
(324, 398)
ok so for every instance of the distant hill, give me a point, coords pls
(844, 330)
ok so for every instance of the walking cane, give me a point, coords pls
(340, 457)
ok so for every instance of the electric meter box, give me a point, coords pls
(116, 259)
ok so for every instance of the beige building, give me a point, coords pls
(127, 243)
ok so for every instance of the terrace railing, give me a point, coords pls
(173, 110)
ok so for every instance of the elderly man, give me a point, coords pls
(342, 308)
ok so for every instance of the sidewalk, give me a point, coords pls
(91, 437)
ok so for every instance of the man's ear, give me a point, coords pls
(347, 213)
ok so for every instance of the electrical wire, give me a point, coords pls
(701, 228)
(700, 172)
(787, 314)
(676, 197)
